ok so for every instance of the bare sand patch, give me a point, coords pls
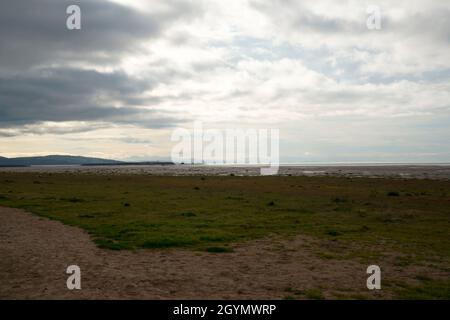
(35, 253)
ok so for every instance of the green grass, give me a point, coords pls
(127, 212)
(219, 249)
(428, 289)
(314, 294)
(311, 294)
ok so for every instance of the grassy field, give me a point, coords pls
(411, 217)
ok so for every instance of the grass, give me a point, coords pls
(314, 294)
(128, 212)
(427, 289)
(311, 294)
(219, 249)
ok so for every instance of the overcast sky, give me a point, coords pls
(137, 70)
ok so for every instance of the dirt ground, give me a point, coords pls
(35, 252)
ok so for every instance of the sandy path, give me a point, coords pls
(35, 252)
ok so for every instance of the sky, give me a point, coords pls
(337, 90)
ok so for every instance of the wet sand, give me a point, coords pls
(401, 171)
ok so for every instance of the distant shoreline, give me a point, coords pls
(396, 171)
(150, 163)
(164, 163)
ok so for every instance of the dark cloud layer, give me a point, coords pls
(35, 45)
(33, 32)
(75, 95)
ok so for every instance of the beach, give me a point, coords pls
(155, 235)
(405, 171)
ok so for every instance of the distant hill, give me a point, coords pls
(142, 163)
(54, 160)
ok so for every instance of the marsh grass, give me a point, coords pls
(128, 212)
(427, 289)
(219, 249)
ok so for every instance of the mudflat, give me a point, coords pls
(403, 171)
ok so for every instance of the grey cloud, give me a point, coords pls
(33, 32)
(77, 95)
(296, 16)
(432, 24)
(135, 140)
(35, 45)
(127, 140)
(8, 134)
(43, 128)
